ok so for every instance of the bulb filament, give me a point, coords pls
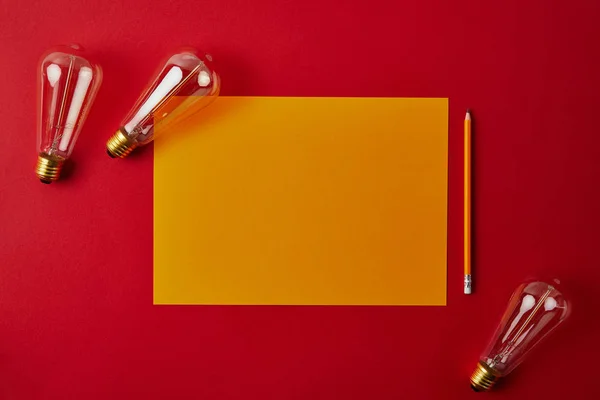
(61, 111)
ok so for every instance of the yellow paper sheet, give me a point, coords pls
(303, 201)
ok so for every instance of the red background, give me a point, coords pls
(76, 313)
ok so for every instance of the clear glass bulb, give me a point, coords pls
(67, 86)
(534, 310)
(185, 84)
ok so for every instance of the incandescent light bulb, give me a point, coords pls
(67, 87)
(184, 85)
(534, 310)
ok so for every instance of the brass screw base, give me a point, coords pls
(119, 145)
(483, 378)
(48, 167)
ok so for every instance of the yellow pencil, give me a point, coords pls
(467, 204)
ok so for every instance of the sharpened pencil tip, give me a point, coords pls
(468, 114)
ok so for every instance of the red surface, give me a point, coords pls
(76, 314)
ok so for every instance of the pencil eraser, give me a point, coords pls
(467, 287)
